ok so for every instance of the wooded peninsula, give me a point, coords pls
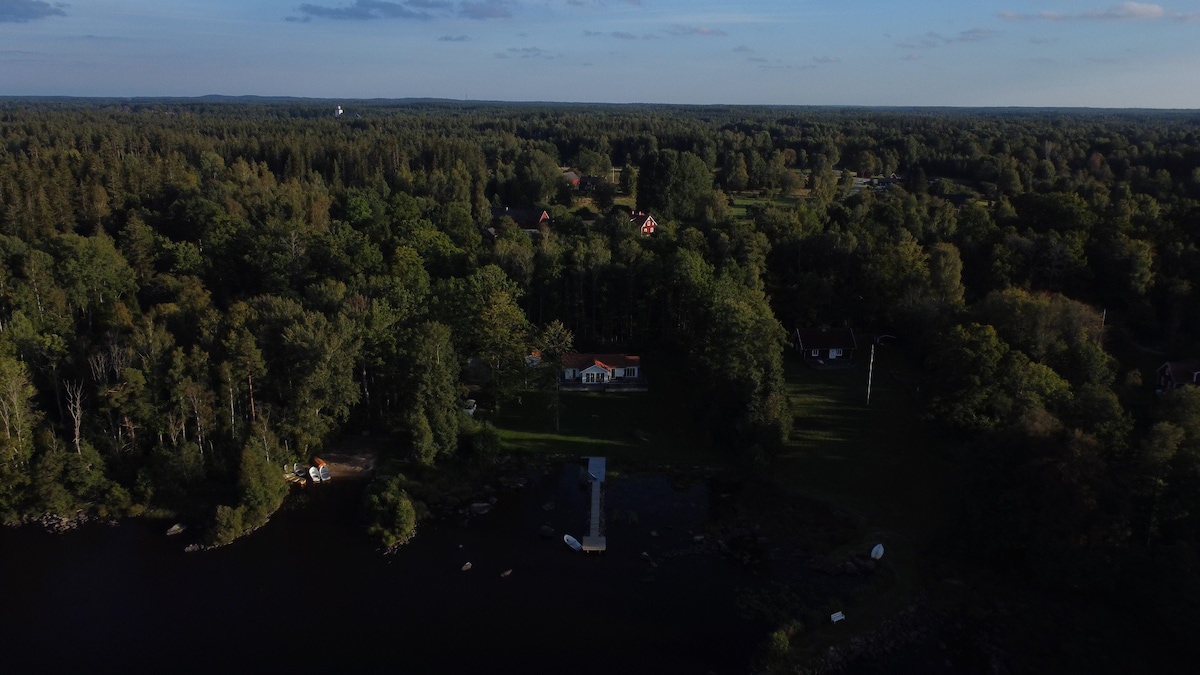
(197, 293)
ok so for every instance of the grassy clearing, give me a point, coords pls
(877, 463)
(743, 201)
(612, 424)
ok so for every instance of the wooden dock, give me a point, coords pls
(595, 539)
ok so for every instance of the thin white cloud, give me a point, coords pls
(619, 35)
(601, 4)
(24, 11)
(486, 9)
(933, 40)
(1130, 10)
(680, 29)
(1125, 11)
(975, 35)
(526, 53)
(365, 10)
(780, 64)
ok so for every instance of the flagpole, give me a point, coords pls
(870, 372)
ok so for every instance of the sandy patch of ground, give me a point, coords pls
(359, 465)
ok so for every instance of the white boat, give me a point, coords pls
(323, 472)
(314, 474)
(572, 542)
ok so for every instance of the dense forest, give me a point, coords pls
(196, 293)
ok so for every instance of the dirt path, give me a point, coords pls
(350, 465)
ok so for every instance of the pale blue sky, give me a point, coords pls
(868, 52)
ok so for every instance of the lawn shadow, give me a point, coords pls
(652, 427)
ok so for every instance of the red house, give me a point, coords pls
(826, 346)
(524, 218)
(1175, 374)
(644, 222)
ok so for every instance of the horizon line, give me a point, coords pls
(436, 99)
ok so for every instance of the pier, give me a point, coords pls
(595, 539)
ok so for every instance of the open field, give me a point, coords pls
(743, 201)
(612, 424)
(878, 464)
(876, 461)
(873, 462)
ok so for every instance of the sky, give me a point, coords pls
(1087, 53)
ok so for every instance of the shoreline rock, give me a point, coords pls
(56, 524)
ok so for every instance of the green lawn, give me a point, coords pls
(743, 200)
(611, 423)
(879, 464)
(876, 461)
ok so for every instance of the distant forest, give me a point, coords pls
(194, 294)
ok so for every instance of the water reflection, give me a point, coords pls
(309, 591)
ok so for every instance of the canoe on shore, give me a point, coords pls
(572, 542)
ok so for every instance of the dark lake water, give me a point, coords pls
(309, 592)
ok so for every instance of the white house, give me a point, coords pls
(600, 368)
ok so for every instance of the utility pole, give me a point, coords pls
(870, 372)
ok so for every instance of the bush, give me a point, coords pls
(393, 519)
(227, 527)
(779, 644)
(480, 443)
(261, 485)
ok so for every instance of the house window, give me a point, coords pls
(835, 353)
(631, 372)
(816, 353)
